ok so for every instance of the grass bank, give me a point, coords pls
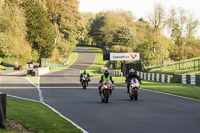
(74, 55)
(174, 69)
(190, 91)
(99, 62)
(36, 117)
(73, 58)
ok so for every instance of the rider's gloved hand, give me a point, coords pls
(112, 82)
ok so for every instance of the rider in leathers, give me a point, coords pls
(84, 74)
(131, 74)
(104, 77)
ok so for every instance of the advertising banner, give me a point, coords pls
(124, 56)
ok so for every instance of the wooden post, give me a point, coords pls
(3, 111)
(194, 65)
(186, 65)
(190, 65)
(199, 64)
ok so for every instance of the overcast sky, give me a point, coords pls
(140, 8)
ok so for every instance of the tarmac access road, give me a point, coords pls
(152, 113)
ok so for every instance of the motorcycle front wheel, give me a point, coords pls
(84, 86)
(136, 95)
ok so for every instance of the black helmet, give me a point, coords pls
(106, 73)
(84, 72)
(131, 72)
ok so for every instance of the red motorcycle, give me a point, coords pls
(84, 82)
(134, 89)
(106, 90)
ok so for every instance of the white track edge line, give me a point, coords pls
(165, 93)
(54, 110)
(23, 98)
(172, 95)
(38, 88)
(65, 118)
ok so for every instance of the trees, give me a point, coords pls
(123, 36)
(182, 26)
(158, 20)
(67, 23)
(87, 19)
(13, 31)
(106, 25)
(96, 28)
(40, 33)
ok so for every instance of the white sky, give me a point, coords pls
(139, 8)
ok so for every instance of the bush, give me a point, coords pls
(116, 64)
(121, 49)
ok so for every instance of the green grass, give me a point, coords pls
(6, 131)
(99, 62)
(36, 117)
(190, 91)
(12, 60)
(34, 80)
(174, 68)
(168, 71)
(1, 67)
(73, 58)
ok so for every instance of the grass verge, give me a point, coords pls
(36, 117)
(172, 71)
(190, 91)
(73, 58)
(98, 63)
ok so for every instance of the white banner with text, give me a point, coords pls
(124, 56)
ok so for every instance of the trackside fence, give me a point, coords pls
(189, 79)
(179, 65)
(164, 78)
(61, 64)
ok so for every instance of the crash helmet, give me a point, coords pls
(84, 72)
(131, 72)
(106, 73)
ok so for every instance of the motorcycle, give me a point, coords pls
(106, 90)
(134, 89)
(84, 82)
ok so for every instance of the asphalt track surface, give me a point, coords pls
(152, 113)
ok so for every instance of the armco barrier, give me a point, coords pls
(9, 68)
(61, 64)
(155, 77)
(115, 73)
(112, 72)
(189, 79)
